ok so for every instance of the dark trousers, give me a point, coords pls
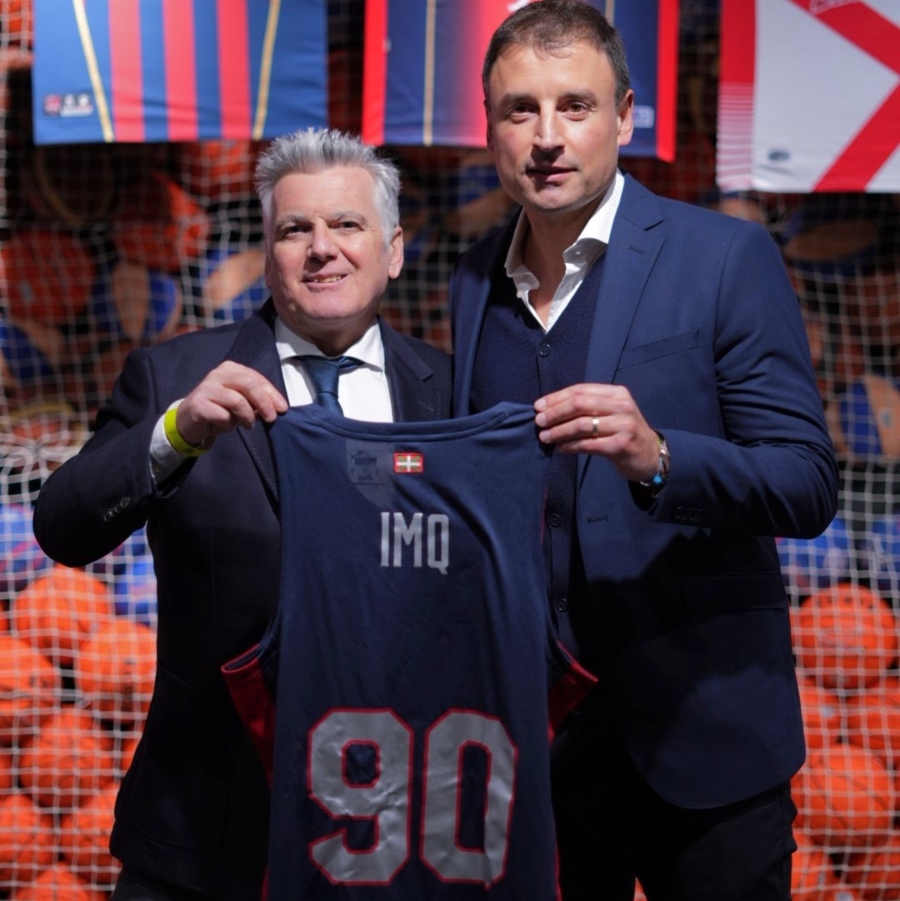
(612, 828)
(135, 886)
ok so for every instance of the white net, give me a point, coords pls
(106, 248)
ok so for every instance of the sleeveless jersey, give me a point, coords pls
(406, 691)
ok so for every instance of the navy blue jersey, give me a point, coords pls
(411, 674)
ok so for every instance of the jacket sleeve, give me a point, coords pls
(769, 467)
(97, 498)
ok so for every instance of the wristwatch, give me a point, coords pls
(658, 482)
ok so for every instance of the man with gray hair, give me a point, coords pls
(178, 448)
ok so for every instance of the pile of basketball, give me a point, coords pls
(847, 793)
(75, 686)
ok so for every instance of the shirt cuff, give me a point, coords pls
(164, 459)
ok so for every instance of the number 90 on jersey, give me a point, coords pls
(381, 792)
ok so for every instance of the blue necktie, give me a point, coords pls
(323, 373)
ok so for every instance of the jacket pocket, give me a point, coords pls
(644, 353)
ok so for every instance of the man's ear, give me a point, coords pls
(396, 250)
(626, 119)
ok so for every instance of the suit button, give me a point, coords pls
(545, 349)
(555, 520)
(562, 604)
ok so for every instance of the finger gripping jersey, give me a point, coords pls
(405, 692)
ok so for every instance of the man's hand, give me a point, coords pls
(602, 420)
(231, 395)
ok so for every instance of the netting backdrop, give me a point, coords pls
(108, 247)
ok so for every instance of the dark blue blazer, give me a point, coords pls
(686, 623)
(193, 808)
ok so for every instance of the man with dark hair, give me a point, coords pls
(663, 349)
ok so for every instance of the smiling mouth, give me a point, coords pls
(323, 280)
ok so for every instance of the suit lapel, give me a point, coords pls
(408, 375)
(474, 289)
(254, 346)
(634, 246)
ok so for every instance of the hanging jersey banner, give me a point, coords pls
(809, 98)
(177, 70)
(412, 661)
(422, 70)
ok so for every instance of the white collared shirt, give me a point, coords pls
(578, 257)
(363, 392)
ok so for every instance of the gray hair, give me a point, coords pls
(314, 150)
(550, 26)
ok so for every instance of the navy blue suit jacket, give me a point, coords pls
(193, 808)
(686, 624)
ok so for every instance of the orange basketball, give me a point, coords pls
(875, 872)
(841, 892)
(159, 225)
(16, 16)
(115, 669)
(59, 610)
(67, 761)
(7, 775)
(30, 687)
(126, 752)
(220, 170)
(26, 839)
(821, 710)
(873, 721)
(844, 797)
(811, 872)
(57, 883)
(84, 838)
(845, 636)
(50, 276)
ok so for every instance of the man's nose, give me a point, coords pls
(547, 135)
(321, 243)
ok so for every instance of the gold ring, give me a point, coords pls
(595, 426)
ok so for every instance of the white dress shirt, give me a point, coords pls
(578, 257)
(363, 392)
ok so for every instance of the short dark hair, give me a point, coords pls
(549, 25)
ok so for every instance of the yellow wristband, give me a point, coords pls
(176, 439)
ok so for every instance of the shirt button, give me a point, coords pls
(544, 349)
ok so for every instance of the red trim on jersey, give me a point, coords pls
(254, 703)
(568, 691)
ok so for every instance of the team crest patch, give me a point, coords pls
(363, 467)
(406, 462)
